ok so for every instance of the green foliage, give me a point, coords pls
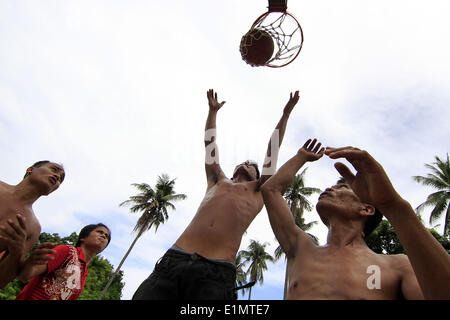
(153, 203)
(296, 196)
(241, 276)
(444, 241)
(46, 237)
(438, 179)
(11, 291)
(257, 256)
(100, 270)
(384, 240)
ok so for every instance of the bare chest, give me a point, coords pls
(10, 207)
(236, 197)
(342, 275)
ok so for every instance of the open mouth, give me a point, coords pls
(52, 180)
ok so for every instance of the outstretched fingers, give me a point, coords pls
(351, 154)
(311, 146)
(295, 97)
(212, 100)
(317, 148)
(341, 152)
(307, 143)
(312, 149)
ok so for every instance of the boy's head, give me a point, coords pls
(45, 175)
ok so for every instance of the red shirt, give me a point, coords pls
(64, 279)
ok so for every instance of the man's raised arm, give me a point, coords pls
(281, 219)
(271, 158)
(212, 167)
(430, 261)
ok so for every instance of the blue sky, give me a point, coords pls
(116, 91)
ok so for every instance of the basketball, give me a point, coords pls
(256, 47)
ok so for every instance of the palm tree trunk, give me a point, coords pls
(447, 218)
(286, 281)
(120, 265)
(250, 293)
(286, 276)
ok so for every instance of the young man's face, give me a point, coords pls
(97, 238)
(247, 169)
(48, 176)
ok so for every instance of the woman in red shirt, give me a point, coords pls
(63, 277)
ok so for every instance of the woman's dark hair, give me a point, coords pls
(86, 231)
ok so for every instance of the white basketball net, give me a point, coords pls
(286, 33)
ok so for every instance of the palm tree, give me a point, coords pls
(439, 179)
(257, 256)
(153, 203)
(241, 277)
(296, 196)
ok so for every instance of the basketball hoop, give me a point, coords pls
(285, 32)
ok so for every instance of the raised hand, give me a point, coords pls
(310, 151)
(214, 104)
(291, 103)
(371, 183)
(14, 236)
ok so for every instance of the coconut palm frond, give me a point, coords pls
(439, 179)
(256, 256)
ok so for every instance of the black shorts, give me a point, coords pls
(184, 276)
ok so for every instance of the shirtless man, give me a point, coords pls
(345, 268)
(201, 264)
(19, 227)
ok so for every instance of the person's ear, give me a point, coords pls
(28, 172)
(367, 210)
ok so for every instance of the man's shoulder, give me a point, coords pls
(398, 261)
(5, 187)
